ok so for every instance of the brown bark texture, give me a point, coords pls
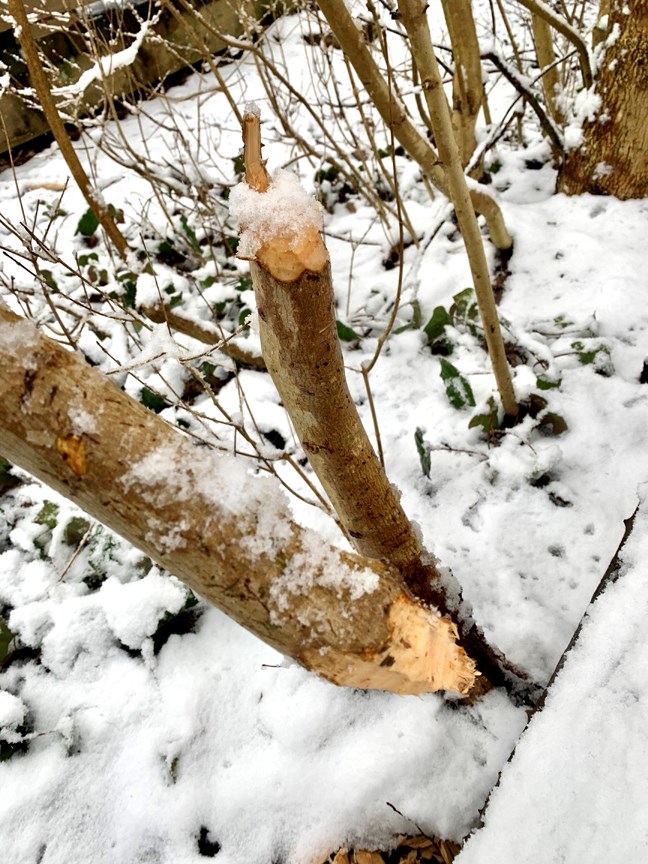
(228, 535)
(395, 116)
(414, 16)
(467, 86)
(613, 157)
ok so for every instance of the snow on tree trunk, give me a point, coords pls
(225, 533)
(611, 157)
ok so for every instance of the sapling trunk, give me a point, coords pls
(467, 86)
(543, 39)
(394, 115)
(413, 15)
(291, 275)
(42, 88)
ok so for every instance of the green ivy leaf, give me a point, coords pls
(546, 384)
(50, 281)
(458, 390)
(345, 333)
(243, 284)
(487, 421)
(6, 638)
(47, 515)
(88, 224)
(153, 401)
(435, 327)
(75, 530)
(190, 234)
(423, 450)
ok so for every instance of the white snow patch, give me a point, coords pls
(12, 713)
(82, 421)
(284, 210)
(134, 610)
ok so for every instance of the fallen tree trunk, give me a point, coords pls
(226, 534)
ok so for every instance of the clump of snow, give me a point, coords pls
(134, 610)
(284, 210)
(148, 290)
(251, 109)
(103, 67)
(82, 421)
(585, 106)
(318, 564)
(12, 714)
(16, 336)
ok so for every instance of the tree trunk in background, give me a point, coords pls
(613, 158)
(543, 39)
(467, 86)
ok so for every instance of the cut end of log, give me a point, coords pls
(280, 223)
(421, 655)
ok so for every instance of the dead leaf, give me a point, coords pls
(418, 842)
(341, 857)
(72, 449)
(361, 856)
(449, 850)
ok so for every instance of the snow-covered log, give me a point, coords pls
(224, 532)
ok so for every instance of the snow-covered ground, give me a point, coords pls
(125, 743)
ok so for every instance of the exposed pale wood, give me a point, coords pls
(422, 647)
(68, 425)
(256, 175)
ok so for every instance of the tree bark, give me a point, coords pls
(613, 156)
(543, 39)
(414, 17)
(395, 117)
(226, 534)
(467, 86)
